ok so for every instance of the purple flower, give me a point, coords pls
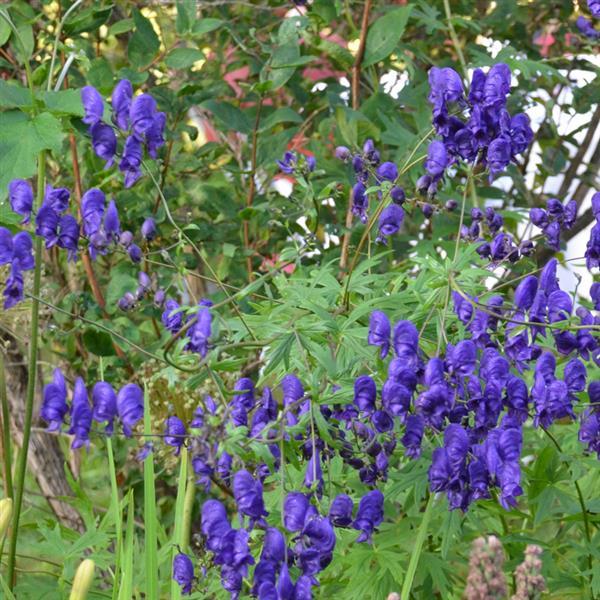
(413, 435)
(92, 210)
(406, 343)
(174, 433)
(390, 220)
(130, 406)
(382, 421)
(104, 404)
(214, 521)
(463, 358)
(517, 397)
(343, 153)
(131, 160)
(154, 135)
(135, 253)
(121, 102)
(595, 295)
(456, 444)
(340, 511)
(148, 229)
(54, 403)
(499, 154)
(379, 331)
(93, 105)
(68, 235)
(437, 159)
(183, 572)
(199, 333)
(81, 415)
(172, 317)
(104, 142)
(360, 202)
(445, 86)
(46, 224)
(22, 250)
(396, 398)
(288, 163)
(365, 394)
(248, 495)
(369, 515)
(14, 288)
(20, 196)
(439, 470)
(57, 198)
(525, 292)
(245, 398)
(273, 545)
(313, 477)
(142, 113)
(397, 195)
(295, 509)
(575, 375)
(320, 534)
(594, 6)
(387, 171)
(586, 27)
(497, 86)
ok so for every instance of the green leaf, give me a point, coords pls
(98, 342)
(21, 141)
(13, 95)
(88, 19)
(182, 58)
(186, 14)
(144, 42)
(4, 31)
(229, 116)
(385, 34)
(206, 26)
(281, 115)
(122, 26)
(63, 102)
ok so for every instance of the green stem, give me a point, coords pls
(178, 530)
(416, 554)
(31, 381)
(116, 509)
(454, 38)
(6, 441)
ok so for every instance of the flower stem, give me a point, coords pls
(6, 441)
(414, 559)
(31, 381)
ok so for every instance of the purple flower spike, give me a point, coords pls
(183, 572)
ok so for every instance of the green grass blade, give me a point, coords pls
(125, 592)
(116, 511)
(150, 521)
(178, 530)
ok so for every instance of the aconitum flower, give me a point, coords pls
(155, 134)
(525, 292)
(46, 224)
(365, 394)
(130, 406)
(295, 509)
(81, 415)
(497, 86)
(288, 163)
(199, 333)
(499, 155)
(92, 210)
(131, 160)
(172, 317)
(183, 572)
(387, 171)
(360, 201)
(68, 235)
(390, 221)
(121, 102)
(586, 27)
(22, 249)
(320, 534)
(594, 7)
(148, 230)
(142, 113)
(54, 403)
(104, 142)
(57, 198)
(340, 511)
(174, 433)
(93, 105)
(437, 159)
(20, 196)
(369, 515)
(104, 404)
(379, 331)
(248, 495)
(14, 287)
(413, 435)
(445, 86)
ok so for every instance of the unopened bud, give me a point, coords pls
(83, 580)
(6, 509)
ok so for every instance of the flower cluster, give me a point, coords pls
(197, 326)
(291, 163)
(586, 26)
(56, 227)
(486, 578)
(105, 407)
(489, 135)
(556, 218)
(137, 117)
(592, 251)
(16, 251)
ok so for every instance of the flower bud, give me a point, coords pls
(83, 580)
(149, 230)
(342, 153)
(6, 509)
(451, 205)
